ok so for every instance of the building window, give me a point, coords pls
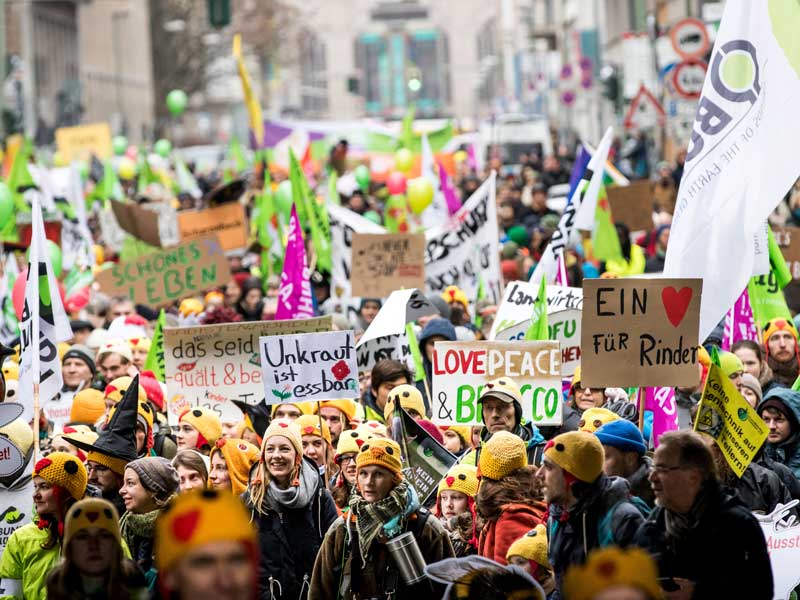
(313, 74)
(488, 52)
(638, 13)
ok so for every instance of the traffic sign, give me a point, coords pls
(690, 38)
(645, 111)
(688, 78)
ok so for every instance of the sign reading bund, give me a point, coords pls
(460, 370)
(311, 366)
(162, 277)
(640, 332)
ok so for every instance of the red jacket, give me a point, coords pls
(515, 521)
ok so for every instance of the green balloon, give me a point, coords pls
(6, 203)
(176, 102)
(361, 173)
(371, 215)
(119, 144)
(163, 147)
(54, 252)
(283, 199)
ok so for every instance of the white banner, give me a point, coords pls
(309, 366)
(467, 246)
(742, 155)
(520, 296)
(460, 370)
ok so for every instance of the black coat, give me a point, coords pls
(288, 543)
(725, 555)
(760, 489)
(581, 527)
(781, 470)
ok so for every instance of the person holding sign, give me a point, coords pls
(780, 410)
(357, 559)
(701, 536)
(292, 510)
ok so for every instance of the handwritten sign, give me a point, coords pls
(310, 366)
(460, 370)
(781, 532)
(518, 300)
(161, 278)
(344, 225)
(727, 417)
(227, 221)
(386, 262)
(640, 332)
(564, 326)
(632, 204)
(211, 365)
(81, 142)
(391, 347)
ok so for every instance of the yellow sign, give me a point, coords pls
(83, 140)
(727, 417)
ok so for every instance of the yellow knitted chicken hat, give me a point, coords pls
(410, 398)
(503, 454)
(91, 512)
(310, 425)
(611, 567)
(65, 471)
(116, 389)
(577, 452)
(460, 478)
(531, 546)
(239, 456)
(381, 452)
(206, 422)
(594, 418)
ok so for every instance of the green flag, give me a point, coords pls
(18, 177)
(155, 356)
(146, 174)
(777, 263)
(767, 299)
(715, 356)
(184, 179)
(538, 327)
(298, 181)
(419, 370)
(108, 188)
(266, 222)
(333, 194)
(77, 279)
(313, 214)
(605, 241)
(407, 131)
(236, 154)
(480, 295)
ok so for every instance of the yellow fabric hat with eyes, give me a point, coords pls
(531, 546)
(348, 407)
(577, 452)
(380, 452)
(206, 423)
(91, 512)
(593, 419)
(350, 441)
(410, 398)
(460, 478)
(116, 389)
(65, 471)
(372, 428)
(501, 455)
(310, 425)
(610, 567)
(239, 456)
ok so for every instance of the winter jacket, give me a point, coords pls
(371, 410)
(759, 489)
(289, 540)
(640, 484)
(603, 504)
(725, 554)
(27, 562)
(73, 589)
(570, 422)
(138, 531)
(785, 474)
(788, 451)
(510, 508)
(340, 574)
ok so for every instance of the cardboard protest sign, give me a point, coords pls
(16, 508)
(781, 533)
(640, 332)
(211, 365)
(518, 299)
(386, 262)
(564, 326)
(386, 335)
(80, 142)
(425, 461)
(460, 370)
(161, 278)
(726, 416)
(632, 204)
(227, 221)
(138, 221)
(309, 366)
(344, 224)
(466, 246)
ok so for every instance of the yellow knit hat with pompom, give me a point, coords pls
(503, 454)
(65, 471)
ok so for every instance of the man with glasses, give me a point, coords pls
(587, 509)
(706, 542)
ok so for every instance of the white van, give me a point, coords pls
(515, 134)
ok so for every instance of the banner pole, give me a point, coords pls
(327, 450)
(641, 400)
(36, 449)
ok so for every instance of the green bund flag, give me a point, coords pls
(766, 291)
(155, 356)
(419, 370)
(311, 214)
(538, 329)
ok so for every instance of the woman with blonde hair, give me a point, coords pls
(288, 503)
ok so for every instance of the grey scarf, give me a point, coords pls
(294, 496)
(679, 525)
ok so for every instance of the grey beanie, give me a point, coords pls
(752, 383)
(157, 475)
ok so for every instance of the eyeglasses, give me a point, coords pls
(96, 468)
(345, 460)
(661, 469)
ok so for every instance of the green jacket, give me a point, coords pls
(25, 564)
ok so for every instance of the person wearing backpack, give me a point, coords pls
(355, 560)
(586, 508)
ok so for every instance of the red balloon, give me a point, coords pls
(396, 183)
(78, 300)
(18, 293)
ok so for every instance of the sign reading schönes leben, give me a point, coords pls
(461, 369)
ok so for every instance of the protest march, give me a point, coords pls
(322, 367)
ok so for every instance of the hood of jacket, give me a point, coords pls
(791, 400)
(438, 326)
(604, 491)
(527, 431)
(520, 487)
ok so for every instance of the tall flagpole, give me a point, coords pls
(33, 279)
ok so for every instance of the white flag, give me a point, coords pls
(742, 156)
(44, 323)
(437, 212)
(585, 195)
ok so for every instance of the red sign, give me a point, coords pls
(645, 111)
(690, 39)
(688, 78)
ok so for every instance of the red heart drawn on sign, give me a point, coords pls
(676, 303)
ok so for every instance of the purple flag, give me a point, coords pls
(472, 157)
(661, 401)
(739, 322)
(561, 274)
(294, 295)
(450, 196)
